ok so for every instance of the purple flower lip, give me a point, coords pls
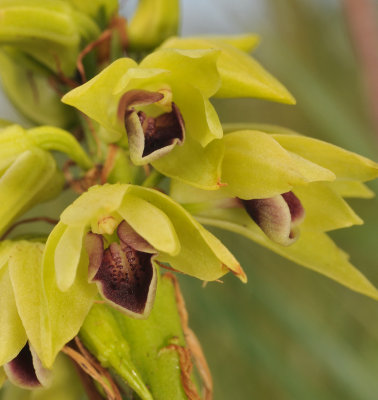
(26, 370)
(124, 272)
(278, 216)
(150, 136)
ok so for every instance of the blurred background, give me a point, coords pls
(290, 334)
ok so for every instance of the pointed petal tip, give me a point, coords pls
(239, 273)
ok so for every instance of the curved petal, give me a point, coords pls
(345, 164)
(313, 250)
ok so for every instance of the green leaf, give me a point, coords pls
(111, 348)
(51, 318)
(345, 164)
(313, 250)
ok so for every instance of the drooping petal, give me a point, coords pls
(26, 370)
(277, 216)
(325, 209)
(127, 279)
(12, 332)
(51, 318)
(345, 164)
(313, 250)
(352, 189)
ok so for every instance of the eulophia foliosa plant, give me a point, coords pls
(121, 113)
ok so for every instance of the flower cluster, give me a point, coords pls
(148, 128)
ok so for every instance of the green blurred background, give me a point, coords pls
(290, 333)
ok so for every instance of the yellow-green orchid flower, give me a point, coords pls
(119, 232)
(163, 104)
(285, 192)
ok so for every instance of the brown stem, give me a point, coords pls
(51, 221)
(361, 16)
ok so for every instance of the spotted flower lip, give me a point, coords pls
(150, 137)
(124, 272)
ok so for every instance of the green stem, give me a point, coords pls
(153, 179)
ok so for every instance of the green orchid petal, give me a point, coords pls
(95, 98)
(199, 65)
(352, 189)
(199, 256)
(310, 171)
(51, 318)
(241, 75)
(29, 87)
(201, 120)
(313, 250)
(67, 254)
(194, 164)
(98, 200)
(244, 42)
(255, 166)
(153, 22)
(344, 163)
(111, 348)
(325, 209)
(150, 223)
(22, 181)
(159, 366)
(12, 332)
(51, 138)
(44, 29)
(87, 28)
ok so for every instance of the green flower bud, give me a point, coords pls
(30, 88)
(50, 31)
(153, 22)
